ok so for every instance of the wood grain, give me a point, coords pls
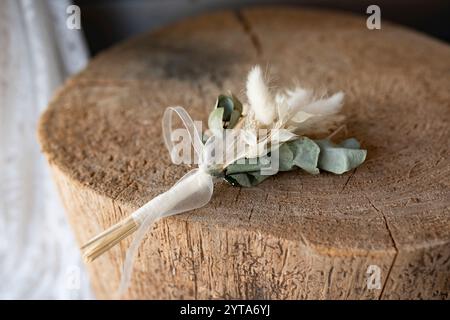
(295, 236)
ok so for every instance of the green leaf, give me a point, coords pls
(215, 123)
(340, 158)
(248, 179)
(231, 112)
(239, 180)
(247, 174)
(306, 154)
(302, 153)
(235, 115)
(237, 104)
(248, 166)
(351, 143)
(286, 157)
(227, 104)
(258, 177)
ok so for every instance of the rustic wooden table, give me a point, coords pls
(296, 235)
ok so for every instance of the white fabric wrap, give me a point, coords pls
(192, 191)
(38, 255)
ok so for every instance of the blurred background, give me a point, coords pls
(38, 255)
(108, 21)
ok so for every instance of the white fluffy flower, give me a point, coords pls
(297, 110)
(284, 114)
(317, 115)
(259, 97)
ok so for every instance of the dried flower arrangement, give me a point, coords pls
(269, 126)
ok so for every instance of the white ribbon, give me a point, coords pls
(192, 191)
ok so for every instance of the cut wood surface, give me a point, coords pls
(296, 235)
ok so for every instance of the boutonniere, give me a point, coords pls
(245, 144)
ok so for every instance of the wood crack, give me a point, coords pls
(251, 213)
(393, 242)
(348, 180)
(192, 258)
(246, 26)
(114, 199)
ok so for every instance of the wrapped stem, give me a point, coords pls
(192, 191)
(108, 239)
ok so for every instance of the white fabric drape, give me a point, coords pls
(38, 256)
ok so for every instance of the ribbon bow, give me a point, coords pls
(192, 191)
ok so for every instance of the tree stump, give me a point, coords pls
(381, 231)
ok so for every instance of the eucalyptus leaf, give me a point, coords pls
(234, 118)
(248, 165)
(237, 105)
(227, 104)
(248, 179)
(231, 111)
(301, 153)
(258, 177)
(215, 123)
(306, 154)
(247, 173)
(239, 180)
(340, 158)
(351, 143)
(286, 157)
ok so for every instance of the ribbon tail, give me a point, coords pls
(131, 254)
(192, 191)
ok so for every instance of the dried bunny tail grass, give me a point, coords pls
(319, 124)
(259, 97)
(298, 97)
(326, 106)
